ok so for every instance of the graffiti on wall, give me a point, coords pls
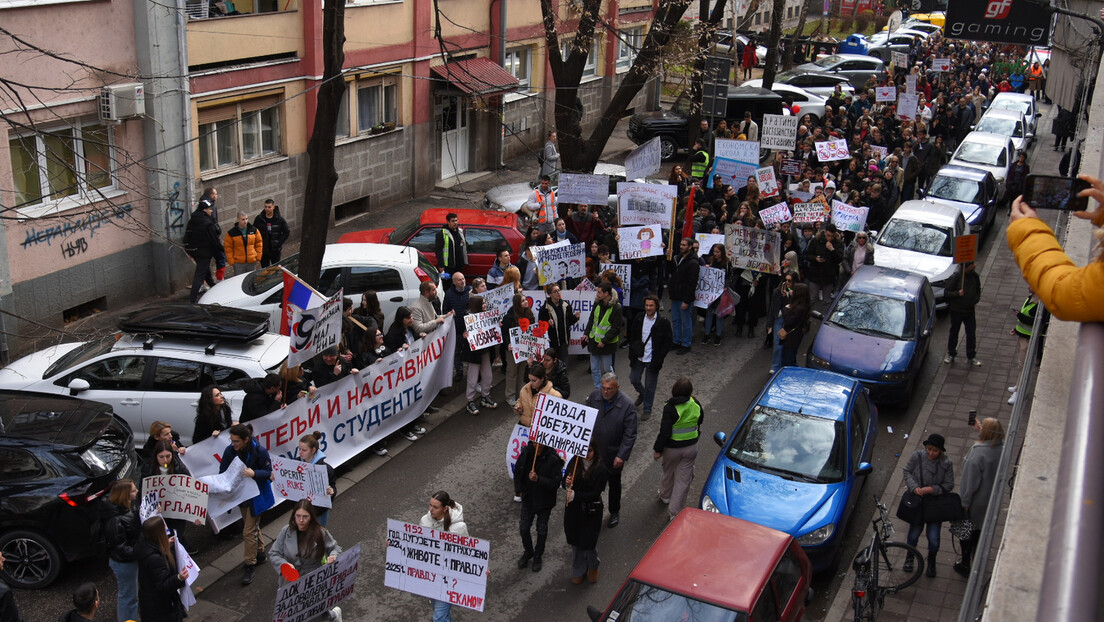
(73, 248)
(86, 223)
(176, 211)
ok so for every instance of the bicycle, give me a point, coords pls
(880, 568)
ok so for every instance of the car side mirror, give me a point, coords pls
(1038, 114)
(817, 314)
(76, 385)
(593, 612)
(973, 127)
(920, 192)
(865, 468)
(720, 438)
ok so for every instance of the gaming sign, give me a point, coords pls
(1002, 21)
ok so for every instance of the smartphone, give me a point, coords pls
(973, 418)
(1054, 192)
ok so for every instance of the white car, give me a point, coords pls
(723, 47)
(1010, 123)
(919, 238)
(992, 152)
(146, 378)
(1020, 102)
(820, 83)
(804, 102)
(393, 272)
(511, 197)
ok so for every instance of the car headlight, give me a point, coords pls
(898, 377)
(813, 360)
(708, 505)
(817, 536)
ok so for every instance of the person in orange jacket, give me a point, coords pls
(244, 245)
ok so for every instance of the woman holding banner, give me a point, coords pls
(213, 414)
(480, 378)
(519, 316)
(158, 581)
(584, 479)
(303, 546)
(309, 452)
(444, 514)
(166, 462)
(718, 258)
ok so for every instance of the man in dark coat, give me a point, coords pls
(681, 289)
(274, 232)
(536, 480)
(614, 435)
(824, 255)
(261, 397)
(329, 368)
(450, 247)
(203, 242)
(649, 342)
(456, 301)
(963, 293)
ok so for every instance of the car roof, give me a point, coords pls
(470, 217)
(987, 138)
(889, 282)
(789, 88)
(813, 392)
(859, 57)
(752, 92)
(50, 418)
(1014, 96)
(963, 172)
(713, 557)
(366, 252)
(1004, 112)
(251, 350)
(924, 211)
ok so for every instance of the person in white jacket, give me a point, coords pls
(302, 547)
(444, 514)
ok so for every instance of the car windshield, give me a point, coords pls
(829, 61)
(791, 445)
(955, 189)
(265, 279)
(1011, 104)
(920, 237)
(640, 602)
(785, 76)
(877, 316)
(981, 153)
(1001, 125)
(403, 232)
(81, 355)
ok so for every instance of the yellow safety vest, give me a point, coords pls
(686, 426)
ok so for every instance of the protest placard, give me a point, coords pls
(295, 480)
(184, 562)
(879, 152)
(314, 330)
(624, 272)
(907, 105)
(646, 204)
(178, 496)
(150, 506)
(557, 262)
(885, 94)
(848, 217)
(498, 300)
(733, 173)
(768, 183)
(910, 84)
(637, 242)
(483, 330)
(754, 249)
(899, 60)
(800, 195)
(436, 564)
(583, 188)
(941, 64)
(738, 150)
(809, 213)
(315, 593)
(524, 344)
(711, 284)
(791, 166)
(228, 489)
(581, 303)
(707, 240)
(518, 440)
(831, 150)
(562, 425)
(586, 286)
(778, 132)
(776, 214)
(645, 160)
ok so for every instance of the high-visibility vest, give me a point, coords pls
(447, 246)
(698, 169)
(689, 416)
(1025, 319)
(547, 210)
(601, 326)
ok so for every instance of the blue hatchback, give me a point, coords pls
(797, 459)
(878, 330)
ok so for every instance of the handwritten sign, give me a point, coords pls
(624, 272)
(907, 105)
(831, 150)
(581, 303)
(738, 150)
(178, 496)
(556, 262)
(910, 84)
(848, 217)
(941, 64)
(315, 330)
(899, 59)
(586, 286)
(645, 160)
(768, 183)
(707, 240)
(583, 188)
(646, 204)
(499, 299)
(316, 593)
(776, 214)
(791, 166)
(637, 242)
(483, 330)
(733, 173)
(879, 151)
(711, 284)
(754, 249)
(885, 94)
(562, 425)
(297, 480)
(811, 213)
(778, 132)
(525, 345)
(965, 248)
(441, 565)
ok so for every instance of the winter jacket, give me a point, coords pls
(204, 429)
(560, 380)
(457, 300)
(202, 237)
(583, 515)
(613, 334)
(823, 272)
(849, 256)
(285, 550)
(243, 246)
(456, 524)
(684, 279)
(274, 231)
(667, 425)
(971, 292)
(121, 531)
(158, 598)
(547, 464)
(921, 471)
(257, 403)
(255, 457)
(560, 319)
(1070, 293)
(795, 324)
(528, 400)
(615, 429)
(979, 473)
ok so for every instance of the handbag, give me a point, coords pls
(910, 509)
(726, 305)
(943, 508)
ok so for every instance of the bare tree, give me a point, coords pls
(775, 36)
(791, 48)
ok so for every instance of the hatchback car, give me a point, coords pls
(878, 330)
(1019, 102)
(920, 238)
(485, 231)
(393, 272)
(972, 190)
(820, 83)
(148, 377)
(857, 67)
(903, 40)
(797, 459)
(705, 566)
(58, 455)
(992, 152)
(1010, 123)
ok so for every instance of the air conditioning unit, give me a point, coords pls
(122, 101)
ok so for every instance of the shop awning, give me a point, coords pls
(477, 76)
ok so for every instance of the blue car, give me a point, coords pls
(878, 331)
(797, 459)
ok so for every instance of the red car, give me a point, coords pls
(708, 566)
(486, 232)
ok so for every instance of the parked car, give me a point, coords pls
(857, 67)
(511, 197)
(878, 330)
(672, 126)
(706, 566)
(1010, 123)
(154, 375)
(393, 272)
(59, 455)
(1021, 102)
(797, 459)
(973, 191)
(486, 232)
(992, 152)
(723, 47)
(919, 238)
(903, 40)
(915, 24)
(820, 83)
(803, 102)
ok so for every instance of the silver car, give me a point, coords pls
(857, 67)
(920, 238)
(1021, 102)
(1010, 123)
(992, 152)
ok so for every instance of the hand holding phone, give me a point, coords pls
(1055, 192)
(972, 420)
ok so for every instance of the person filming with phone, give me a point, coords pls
(1070, 293)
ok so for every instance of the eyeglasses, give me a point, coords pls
(860, 237)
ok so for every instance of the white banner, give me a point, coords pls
(754, 249)
(226, 490)
(831, 150)
(184, 562)
(316, 593)
(941, 64)
(483, 330)
(314, 330)
(583, 188)
(778, 132)
(499, 299)
(524, 344)
(847, 217)
(768, 183)
(562, 425)
(637, 242)
(776, 214)
(711, 284)
(739, 150)
(624, 272)
(645, 160)
(557, 262)
(809, 213)
(179, 496)
(646, 204)
(907, 105)
(437, 564)
(899, 60)
(295, 480)
(885, 94)
(910, 84)
(707, 240)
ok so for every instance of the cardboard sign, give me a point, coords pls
(899, 60)
(562, 425)
(941, 64)
(437, 564)
(637, 242)
(315, 330)
(907, 105)
(879, 152)
(707, 240)
(583, 188)
(297, 480)
(524, 345)
(483, 330)
(776, 214)
(738, 150)
(733, 173)
(645, 160)
(810, 213)
(848, 217)
(791, 166)
(910, 84)
(581, 303)
(646, 204)
(966, 248)
(885, 94)
(711, 284)
(831, 150)
(754, 249)
(498, 300)
(178, 496)
(778, 132)
(624, 272)
(557, 262)
(768, 184)
(316, 593)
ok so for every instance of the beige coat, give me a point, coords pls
(527, 401)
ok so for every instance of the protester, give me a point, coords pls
(328, 366)
(213, 414)
(555, 369)
(262, 397)
(537, 476)
(963, 292)
(677, 445)
(445, 514)
(558, 314)
(780, 297)
(158, 580)
(681, 290)
(795, 323)
(303, 546)
(86, 601)
(311, 453)
(498, 269)
(121, 530)
(274, 232)
(585, 478)
(603, 332)
(614, 434)
(979, 475)
(718, 259)
(929, 472)
(650, 339)
(258, 467)
(167, 462)
(521, 317)
(161, 431)
(456, 303)
(480, 377)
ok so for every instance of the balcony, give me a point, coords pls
(260, 29)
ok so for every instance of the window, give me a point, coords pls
(786, 577)
(628, 46)
(518, 63)
(177, 375)
(426, 240)
(17, 465)
(114, 374)
(591, 67)
(239, 133)
(364, 278)
(70, 162)
(377, 103)
(227, 378)
(484, 240)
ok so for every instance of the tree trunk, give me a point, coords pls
(791, 49)
(321, 174)
(772, 44)
(746, 19)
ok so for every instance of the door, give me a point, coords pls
(117, 381)
(454, 136)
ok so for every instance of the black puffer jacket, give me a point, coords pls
(121, 531)
(158, 598)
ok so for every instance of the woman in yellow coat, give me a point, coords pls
(243, 245)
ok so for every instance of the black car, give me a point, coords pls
(973, 191)
(196, 321)
(58, 456)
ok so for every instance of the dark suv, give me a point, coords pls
(673, 128)
(58, 456)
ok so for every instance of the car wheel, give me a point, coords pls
(31, 560)
(667, 147)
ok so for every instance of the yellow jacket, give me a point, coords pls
(528, 402)
(243, 248)
(1070, 293)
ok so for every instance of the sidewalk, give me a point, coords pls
(963, 388)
